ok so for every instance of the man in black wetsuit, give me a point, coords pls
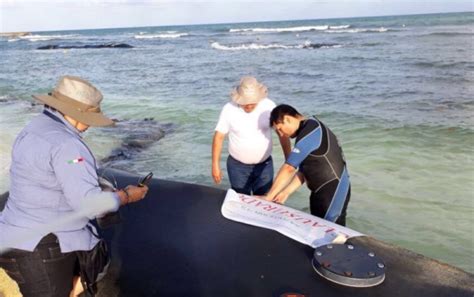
(316, 158)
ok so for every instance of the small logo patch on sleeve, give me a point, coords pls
(78, 160)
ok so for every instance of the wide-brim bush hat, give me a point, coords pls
(79, 99)
(249, 91)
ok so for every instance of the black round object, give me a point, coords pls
(349, 265)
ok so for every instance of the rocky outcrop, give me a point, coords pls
(319, 45)
(137, 136)
(85, 46)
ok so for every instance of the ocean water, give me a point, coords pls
(398, 92)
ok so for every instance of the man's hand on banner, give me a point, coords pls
(281, 197)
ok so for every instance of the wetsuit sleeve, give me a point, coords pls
(75, 170)
(307, 144)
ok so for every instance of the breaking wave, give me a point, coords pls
(256, 46)
(170, 35)
(289, 29)
(325, 28)
(37, 37)
(360, 30)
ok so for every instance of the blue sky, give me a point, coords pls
(31, 15)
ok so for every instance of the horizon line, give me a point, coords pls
(227, 23)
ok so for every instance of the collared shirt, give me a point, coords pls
(52, 174)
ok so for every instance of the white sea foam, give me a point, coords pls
(359, 30)
(248, 46)
(289, 29)
(36, 37)
(339, 27)
(325, 28)
(256, 46)
(164, 35)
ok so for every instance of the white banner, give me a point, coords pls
(298, 225)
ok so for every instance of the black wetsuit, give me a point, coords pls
(319, 157)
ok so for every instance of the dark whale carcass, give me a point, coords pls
(176, 243)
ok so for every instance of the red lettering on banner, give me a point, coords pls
(320, 225)
(281, 211)
(245, 199)
(268, 207)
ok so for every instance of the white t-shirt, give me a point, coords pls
(250, 134)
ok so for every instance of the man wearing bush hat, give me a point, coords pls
(245, 121)
(53, 175)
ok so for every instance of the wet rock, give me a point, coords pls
(85, 46)
(138, 135)
(318, 45)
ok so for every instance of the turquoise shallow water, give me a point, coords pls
(398, 91)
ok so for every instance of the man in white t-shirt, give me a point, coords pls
(246, 121)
